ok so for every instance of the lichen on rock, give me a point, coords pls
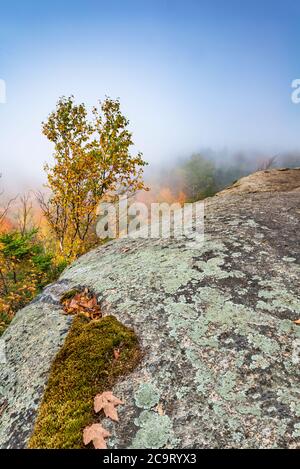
(215, 323)
(146, 396)
(155, 431)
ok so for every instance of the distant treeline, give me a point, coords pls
(202, 174)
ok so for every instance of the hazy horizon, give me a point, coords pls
(190, 75)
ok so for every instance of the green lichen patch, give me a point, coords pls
(83, 367)
(146, 396)
(155, 431)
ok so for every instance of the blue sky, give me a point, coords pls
(190, 74)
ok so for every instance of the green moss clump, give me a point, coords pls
(84, 367)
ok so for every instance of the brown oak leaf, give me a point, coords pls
(74, 304)
(108, 402)
(97, 434)
(92, 303)
(84, 303)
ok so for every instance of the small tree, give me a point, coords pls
(92, 159)
(25, 268)
(24, 214)
(198, 176)
(266, 164)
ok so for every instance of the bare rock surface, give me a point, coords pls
(271, 180)
(221, 351)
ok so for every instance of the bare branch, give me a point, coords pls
(25, 213)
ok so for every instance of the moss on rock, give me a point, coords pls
(83, 367)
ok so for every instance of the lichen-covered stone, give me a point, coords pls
(30, 344)
(215, 322)
(146, 396)
(154, 431)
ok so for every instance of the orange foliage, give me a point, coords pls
(158, 194)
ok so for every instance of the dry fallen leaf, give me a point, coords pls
(92, 303)
(97, 434)
(85, 303)
(74, 303)
(108, 402)
(297, 321)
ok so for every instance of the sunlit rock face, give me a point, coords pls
(221, 351)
